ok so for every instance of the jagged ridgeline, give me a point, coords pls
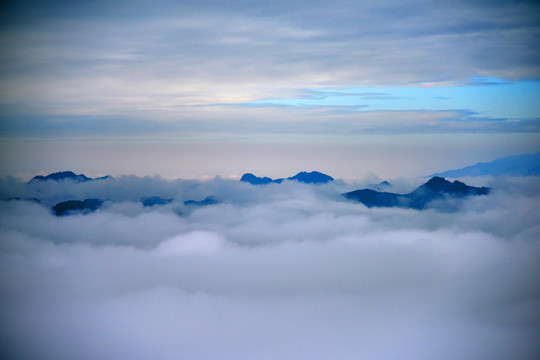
(435, 188)
(76, 206)
(313, 177)
(66, 175)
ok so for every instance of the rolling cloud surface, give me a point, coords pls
(281, 271)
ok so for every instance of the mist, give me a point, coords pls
(289, 271)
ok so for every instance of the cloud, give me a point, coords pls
(282, 271)
(197, 242)
(78, 62)
(103, 78)
(236, 122)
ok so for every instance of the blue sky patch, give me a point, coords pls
(490, 97)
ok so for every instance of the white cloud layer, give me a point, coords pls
(283, 271)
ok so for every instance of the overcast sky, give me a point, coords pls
(201, 88)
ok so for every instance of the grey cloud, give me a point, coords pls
(271, 119)
(185, 54)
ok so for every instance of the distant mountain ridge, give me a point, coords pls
(87, 206)
(435, 188)
(520, 165)
(66, 175)
(77, 206)
(149, 201)
(255, 180)
(313, 177)
(209, 200)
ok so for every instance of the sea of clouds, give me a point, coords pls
(284, 271)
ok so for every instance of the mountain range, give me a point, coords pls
(435, 188)
(520, 165)
(66, 175)
(313, 177)
(149, 201)
(77, 206)
(71, 207)
(209, 200)
(373, 196)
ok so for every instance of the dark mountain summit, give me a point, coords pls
(77, 206)
(372, 198)
(209, 200)
(66, 175)
(439, 184)
(155, 200)
(435, 188)
(255, 180)
(313, 177)
(58, 176)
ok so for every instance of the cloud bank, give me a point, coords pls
(107, 68)
(282, 271)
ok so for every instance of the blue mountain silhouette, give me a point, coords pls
(209, 200)
(76, 206)
(255, 180)
(313, 177)
(66, 175)
(155, 200)
(520, 165)
(435, 188)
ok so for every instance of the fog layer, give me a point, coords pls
(286, 271)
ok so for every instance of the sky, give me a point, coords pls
(195, 89)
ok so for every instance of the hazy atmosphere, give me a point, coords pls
(193, 89)
(149, 207)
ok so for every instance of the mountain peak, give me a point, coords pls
(313, 177)
(436, 188)
(440, 184)
(255, 180)
(77, 206)
(66, 175)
